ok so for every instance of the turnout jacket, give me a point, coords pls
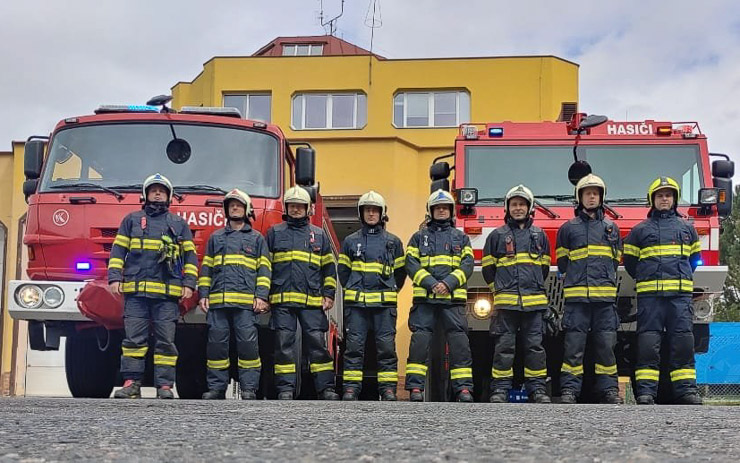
(588, 251)
(137, 249)
(236, 268)
(661, 253)
(371, 267)
(437, 253)
(515, 263)
(303, 269)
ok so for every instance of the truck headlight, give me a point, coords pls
(702, 308)
(482, 309)
(29, 296)
(53, 296)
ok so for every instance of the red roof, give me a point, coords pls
(332, 46)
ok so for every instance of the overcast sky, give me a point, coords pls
(640, 59)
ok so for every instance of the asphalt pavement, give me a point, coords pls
(40, 430)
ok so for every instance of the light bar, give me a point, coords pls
(664, 131)
(83, 266)
(126, 108)
(496, 132)
(212, 111)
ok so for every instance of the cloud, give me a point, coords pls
(640, 60)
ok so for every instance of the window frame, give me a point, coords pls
(246, 96)
(329, 110)
(430, 97)
(311, 48)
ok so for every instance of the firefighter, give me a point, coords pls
(153, 263)
(661, 254)
(439, 261)
(371, 271)
(516, 261)
(303, 283)
(588, 251)
(234, 285)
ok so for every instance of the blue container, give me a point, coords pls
(721, 364)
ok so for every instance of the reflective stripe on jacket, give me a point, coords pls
(236, 268)
(371, 267)
(439, 253)
(588, 252)
(136, 254)
(661, 253)
(303, 267)
(515, 263)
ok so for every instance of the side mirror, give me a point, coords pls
(724, 205)
(313, 191)
(440, 184)
(723, 168)
(30, 187)
(33, 158)
(305, 166)
(439, 170)
(577, 171)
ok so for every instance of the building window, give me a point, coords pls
(254, 106)
(313, 111)
(303, 49)
(431, 109)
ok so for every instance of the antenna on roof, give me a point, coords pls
(329, 26)
(373, 19)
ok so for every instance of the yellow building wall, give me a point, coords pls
(392, 161)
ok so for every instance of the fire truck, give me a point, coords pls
(79, 189)
(490, 158)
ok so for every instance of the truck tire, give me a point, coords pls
(191, 341)
(92, 359)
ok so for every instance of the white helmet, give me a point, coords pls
(440, 197)
(590, 180)
(519, 191)
(157, 179)
(371, 198)
(240, 196)
(296, 195)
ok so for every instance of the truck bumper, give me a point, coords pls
(708, 283)
(66, 311)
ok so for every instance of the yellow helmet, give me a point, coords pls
(440, 197)
(519, 191)
(240, 196)
(372, 198)
(590, 180)
(157, 179)
(659, 184)
(296, 195)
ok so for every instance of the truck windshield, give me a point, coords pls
(121, 156)
(627, 170)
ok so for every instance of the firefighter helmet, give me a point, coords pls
(590, 180)
(519, 191)
(296, 195)
(438, 198)
(372, 198)
(238, 195)
(659, 184)
(157, 179)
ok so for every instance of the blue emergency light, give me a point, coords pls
(83, 266)
(699, 263)
(496, 132)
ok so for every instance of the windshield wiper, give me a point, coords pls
(556, 197)
(491, 200)
(552, 214)
(627, 200)
(201, 188)
(134, 186)
(87, 186)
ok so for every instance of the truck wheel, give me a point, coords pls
(191, 367)
(92, 359)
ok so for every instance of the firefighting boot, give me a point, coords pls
(417, 395)
(691, 398)
(248, 394)
(350, 394)
(388, 395)
(645, 400)
(499, 396)
(611, 396)
(165, 392)
(540, 397)
(285, 395)
(568, 396)
(131, 390)
(464, 395)
(214, 395)
(328, 394)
